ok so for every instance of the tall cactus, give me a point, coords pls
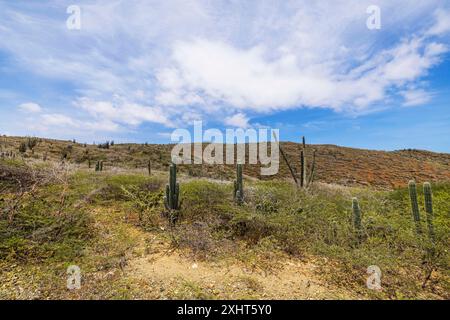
(149, 167)
(429, 209)
(171, 200)
(303, 167)
(414, 205)
(356, 216)
(238, 185)
(305, 180)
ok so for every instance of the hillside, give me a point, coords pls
(278, 242)
(334, 164)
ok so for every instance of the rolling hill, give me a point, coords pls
(334, 164)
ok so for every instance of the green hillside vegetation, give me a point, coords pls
(53, 215)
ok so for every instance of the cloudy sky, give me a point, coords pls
(138, 69)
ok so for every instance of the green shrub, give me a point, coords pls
(36, 230)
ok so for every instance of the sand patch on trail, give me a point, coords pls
(173, 272)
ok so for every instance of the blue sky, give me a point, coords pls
(136, 70)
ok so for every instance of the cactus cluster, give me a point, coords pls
(238, 185)
(172, 197)
(99, 166)
(428, 199)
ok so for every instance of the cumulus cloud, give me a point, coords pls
(176, 61)
(238, 120)
(30, 107)
(246, 80)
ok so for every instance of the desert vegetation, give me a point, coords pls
(140, 227)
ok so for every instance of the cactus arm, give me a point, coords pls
(171, 200)
(414, 205)
(313, 168)
(291, 169)
(429, 209)
(167, 197)
(302, 169)
(177, 196)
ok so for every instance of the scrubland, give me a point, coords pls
(280, 243)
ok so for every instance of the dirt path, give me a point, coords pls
(183, 278)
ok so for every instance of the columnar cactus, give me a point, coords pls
(171, 200)
(238, 185)
(149, 167)
(23, 147)
(429, 209)
(303, 168)
(99, 166)
(414, 205)
(305, 180)
(356, 216)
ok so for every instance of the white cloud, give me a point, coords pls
(123, 112)
(246, 80)
(415, 97)
(30, 107)
(170, 62)
(55, 120)
(442, 23)
(238, 120)
(59, 120)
